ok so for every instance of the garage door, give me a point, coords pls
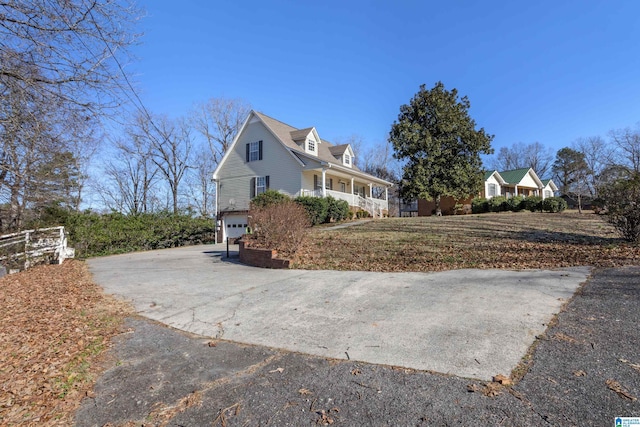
(235, 225)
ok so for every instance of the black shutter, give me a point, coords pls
(315, 182)
(247, 158)
(330, 183)
(259, 150)
(266, 182)
(252, 190)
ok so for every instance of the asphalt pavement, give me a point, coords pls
(584, 370)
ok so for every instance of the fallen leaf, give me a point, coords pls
(501, 379)
(580, 373)
(356, 371)
(472, 388)
(281, 370)
(305, 392)
(617, 387)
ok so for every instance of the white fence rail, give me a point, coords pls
(19, 251)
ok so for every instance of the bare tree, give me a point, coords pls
(200, 187)
(171, 143)
(598, 156)
(520, 155)
(69, 50)
(218, 120)
(130, 176)
(627, 144)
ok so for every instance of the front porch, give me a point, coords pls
(359, 194)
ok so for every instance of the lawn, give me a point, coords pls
(513, 240)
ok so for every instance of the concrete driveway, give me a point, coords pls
(469, 323)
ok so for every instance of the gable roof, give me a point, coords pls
(338, 150)
(516, 175)
(499, 178)
(550, 183)
(286, 134)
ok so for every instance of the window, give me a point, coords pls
(548, 193)
(261, 185)
(258, 185)
(347, 159)
(343, 187)
(254, 151)
(311, 145)
(492, 190)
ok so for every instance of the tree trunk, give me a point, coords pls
(438, 209)
(579, 203)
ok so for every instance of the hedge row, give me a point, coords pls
(518, 203)
(93, 234)
(320, 209)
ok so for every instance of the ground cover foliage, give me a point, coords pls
(513, 240)
(55, 325)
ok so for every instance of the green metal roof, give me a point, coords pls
(488, 174)
(545, 181)
(514, 176)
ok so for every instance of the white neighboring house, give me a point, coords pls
(269, 154)
(517, 182)
(550, 188)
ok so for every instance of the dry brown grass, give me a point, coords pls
(56, 325)
(503, 240)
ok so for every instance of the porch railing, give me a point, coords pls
(375, 207)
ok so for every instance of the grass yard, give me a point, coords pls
(513, 240)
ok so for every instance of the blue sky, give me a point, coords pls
(547, 71)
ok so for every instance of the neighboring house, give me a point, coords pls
(517, 182)
(269, 154)
(549, 188)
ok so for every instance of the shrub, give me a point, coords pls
(362, 214)
(479, 205)
(269, 197)
(280, 226)
(497, 204)
(93, 234)
(554, 204)
(621, 204)
(317, 208)
(515, 203)
(337, 210)
(532, 203)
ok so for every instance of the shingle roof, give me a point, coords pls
(338, 150)
(514, 176)
(325, 149)
(488, 174)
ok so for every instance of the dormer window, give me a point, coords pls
(347, 159)
(311, 145)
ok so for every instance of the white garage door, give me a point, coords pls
(235, 225)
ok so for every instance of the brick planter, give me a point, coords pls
(264, 258)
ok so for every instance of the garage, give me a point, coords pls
(234, 225)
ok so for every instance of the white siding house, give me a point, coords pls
(269, 154)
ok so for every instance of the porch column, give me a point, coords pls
(386, 194)
(370, 192)
(515, 190)
(324, 182)
(353, 201)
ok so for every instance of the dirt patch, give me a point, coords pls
(506, 240)
(56, 324)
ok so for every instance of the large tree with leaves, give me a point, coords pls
(440, 144)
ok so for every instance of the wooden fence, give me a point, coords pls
(19, 251)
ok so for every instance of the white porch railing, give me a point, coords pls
(19, 251)
(375, 207)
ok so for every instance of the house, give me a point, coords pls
(269, 154)
(517, 182)
(549, 188)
